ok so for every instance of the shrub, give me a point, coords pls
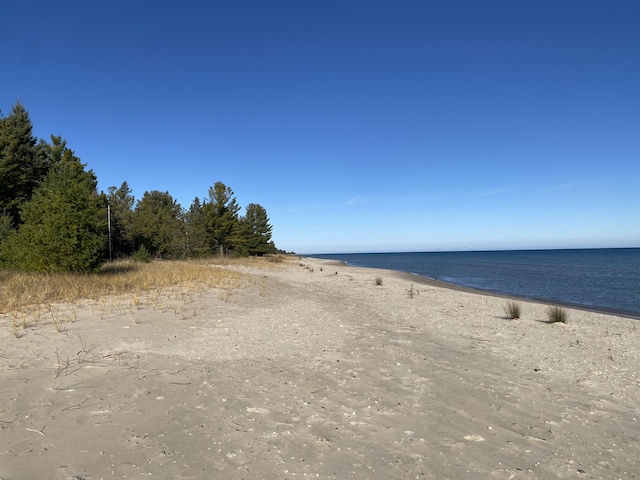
(557, 314)
(512, 310)
(378, 281)
(142, 255)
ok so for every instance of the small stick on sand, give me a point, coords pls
(41, 432)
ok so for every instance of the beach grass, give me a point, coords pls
(20, 292)
(557, 314)
(512, 310)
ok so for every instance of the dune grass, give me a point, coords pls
(512, 310)
(21, 292)
(557, 314)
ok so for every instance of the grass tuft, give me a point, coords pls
(378, 281)
(512, 310)
(557, 315)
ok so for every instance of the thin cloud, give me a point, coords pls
(420, 196)
(359, 200)
(494, 192)
(356, 201)
(570, 186)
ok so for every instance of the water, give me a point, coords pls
(598, 279)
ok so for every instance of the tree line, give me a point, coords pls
(52, 217)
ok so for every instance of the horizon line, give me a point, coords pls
(382, 252)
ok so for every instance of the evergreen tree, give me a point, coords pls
(197, 244)
(23, 162)
(256, 231)
(157, 223)
(121, 202)
(221, 217)
(6, 229)
(64, 225)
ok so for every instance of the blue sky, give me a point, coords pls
(359, 125)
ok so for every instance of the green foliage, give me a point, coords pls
(23, 162)
(221, 218)
(141, 255)
(255, 231)
(53, 219)
(121, 202)
(6, 230)
(557, 315)
(64, 222)
(512, 310)
(215, 227)
(197, 244)
(157, 224)
(6, 227)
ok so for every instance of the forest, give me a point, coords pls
(54, 219)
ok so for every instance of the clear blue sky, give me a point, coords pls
(359, 125)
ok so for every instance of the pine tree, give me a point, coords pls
(196, 234)
(64, 225)
(257, 230)
(23, 162)
(221, 217)
(157, 223)
(6, 228)
(121, 202)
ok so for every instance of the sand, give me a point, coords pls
(314, 371)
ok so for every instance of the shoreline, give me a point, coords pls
(462, 288)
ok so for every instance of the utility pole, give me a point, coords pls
(109, 223)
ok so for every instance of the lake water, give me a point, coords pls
(598, 279)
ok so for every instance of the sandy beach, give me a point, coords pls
(314, 371)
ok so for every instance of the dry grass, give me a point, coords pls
(266, 261)
(24, 292)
